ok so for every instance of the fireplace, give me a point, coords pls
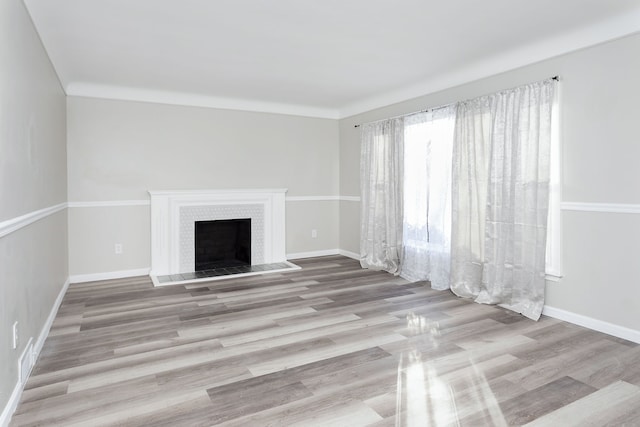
(222, 243)
(174, 215)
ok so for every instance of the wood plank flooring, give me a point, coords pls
(328, 345)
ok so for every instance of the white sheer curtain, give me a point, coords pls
(501, 157)
(381, 178)
(426, 231)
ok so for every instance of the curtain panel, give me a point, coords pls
(381, 189)
(501, 168)
(461, 197)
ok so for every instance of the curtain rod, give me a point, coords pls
(440, 107)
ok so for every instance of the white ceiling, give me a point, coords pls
(325, 58)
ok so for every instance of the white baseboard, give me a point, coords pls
(94, 277)
(12, 404)
(311, 254)
(37, 347)
(591, 323)
(349, 254)
(325, 252)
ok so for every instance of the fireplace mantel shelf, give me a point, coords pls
(210, 192)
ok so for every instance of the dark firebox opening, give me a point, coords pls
(222, 243)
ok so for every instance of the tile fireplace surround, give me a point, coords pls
(174, 213)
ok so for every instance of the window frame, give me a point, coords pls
(553, 260)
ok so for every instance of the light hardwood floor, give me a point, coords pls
(331, 344)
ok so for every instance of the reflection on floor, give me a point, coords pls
(330, 344)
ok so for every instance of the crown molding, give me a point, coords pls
(622, 26)
(616, 28)
(122, 93)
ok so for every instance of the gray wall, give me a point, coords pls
(117, 150)
(33, 259)
(600, 89)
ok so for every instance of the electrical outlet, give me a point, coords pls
(118, 248)
(314, 233)
(15, 334)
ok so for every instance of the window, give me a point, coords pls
(428, 141)
(428, 146)
(554, 221)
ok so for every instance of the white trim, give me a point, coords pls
(312, 254)
(554, 251)
(553, 276)
(142, 202)
(627, 208)
(14, 224)
(13, 401)
(322, 198)
(12, 404)
(623, 25)
(109, 203)
(591, 323)
(350, 198)
(324, 252)
(231, 192)
(94, 277)
(310, 198)
(349, 254)
(91, 90)
(37, 347)
(620, 26)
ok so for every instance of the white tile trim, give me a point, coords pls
(94, 277)
(594, 324)
(350, 198)
(109, 203)
(14, 399)
(628, 208)
(14, 224)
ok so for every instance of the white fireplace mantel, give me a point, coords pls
(172, 213)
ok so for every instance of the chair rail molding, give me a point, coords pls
(625, 208)
(15, 224)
